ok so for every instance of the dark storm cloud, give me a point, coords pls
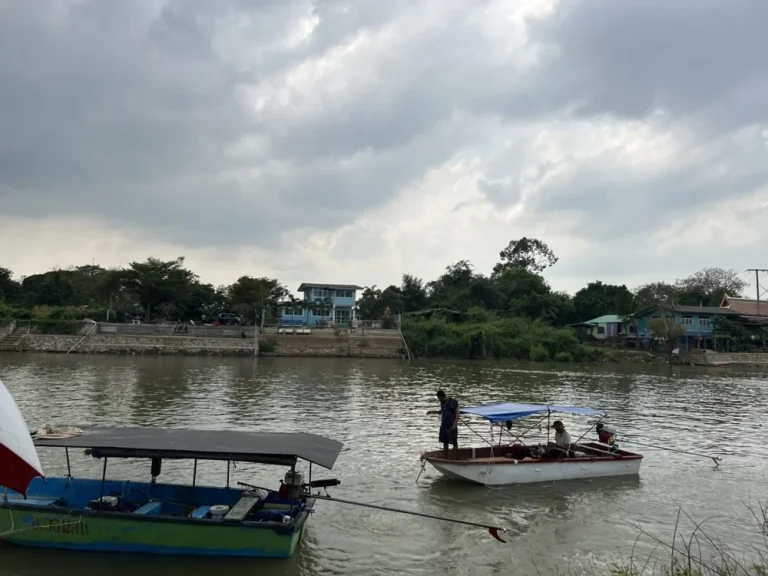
(625, 58)
(130, 110)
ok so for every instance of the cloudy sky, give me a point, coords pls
(355, 140)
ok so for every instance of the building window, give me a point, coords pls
(321, 313)
(686, 321)
(292, 312)
(322, 293)
(703, 321)
(343, 293)
(342, 316)
(632, 329)
(601, 329)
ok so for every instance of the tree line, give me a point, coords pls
(156, 289)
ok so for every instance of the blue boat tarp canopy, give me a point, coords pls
(183, 443)
(511, 411)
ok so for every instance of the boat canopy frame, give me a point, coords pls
(282, 449)
(502, 412)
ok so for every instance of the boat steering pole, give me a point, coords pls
(715, 459)
(492, 530)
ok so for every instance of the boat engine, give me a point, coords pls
(294, 484)
(105, 504)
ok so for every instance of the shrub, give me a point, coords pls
(538, 353)
(267, 346)
(514, 338)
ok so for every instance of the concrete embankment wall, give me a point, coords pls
(118, 344)
(320, 345)
(726, 358)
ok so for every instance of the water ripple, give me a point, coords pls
(377, 408)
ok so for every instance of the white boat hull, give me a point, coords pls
(501, 471)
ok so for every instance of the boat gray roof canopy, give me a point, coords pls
(277, 448)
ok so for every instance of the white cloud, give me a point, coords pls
(354, 142)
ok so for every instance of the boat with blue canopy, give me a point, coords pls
(510, 456)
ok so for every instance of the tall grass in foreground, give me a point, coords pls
(698, 553)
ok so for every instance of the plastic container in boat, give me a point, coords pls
(218, 511)
(286, 519)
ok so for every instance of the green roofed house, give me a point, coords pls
(607, 327)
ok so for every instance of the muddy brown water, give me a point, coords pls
(377, 409)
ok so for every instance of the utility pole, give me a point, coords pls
(760, 290)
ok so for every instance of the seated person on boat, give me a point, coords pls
(607, 435)
(561, 447)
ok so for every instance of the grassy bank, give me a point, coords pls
(699, 552)
(513, 338)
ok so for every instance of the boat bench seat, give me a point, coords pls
(35, 500)
(150, 508)
(201, 512)
(240, 510)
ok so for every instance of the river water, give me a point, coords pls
(377, 409)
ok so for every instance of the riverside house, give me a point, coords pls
(609, 327)
(322, 305)
(697, 321)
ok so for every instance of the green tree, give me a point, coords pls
(452, 289)
(413, 292)
(253, 295)
(369, 304)
(392, 297)
(527, 295)
(155, 281)
(667, 330)
(205, 302)
(528, 253)
(598, 299)
(9, 288)
(655, 294)
(52, 288)
(710, 285)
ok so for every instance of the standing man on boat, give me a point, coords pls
(449, 423)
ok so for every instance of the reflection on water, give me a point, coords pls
(377, 409)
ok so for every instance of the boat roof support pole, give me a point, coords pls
(103, 478)
(476, 433)
(228, 464)
(194, 474)
(549, 427)
(69, 468)
(524, 432)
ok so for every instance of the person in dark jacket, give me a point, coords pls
(449, 422)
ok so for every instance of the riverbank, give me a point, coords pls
(99, 338)
(430, 339)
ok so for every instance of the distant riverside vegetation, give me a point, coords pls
(510, 313)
